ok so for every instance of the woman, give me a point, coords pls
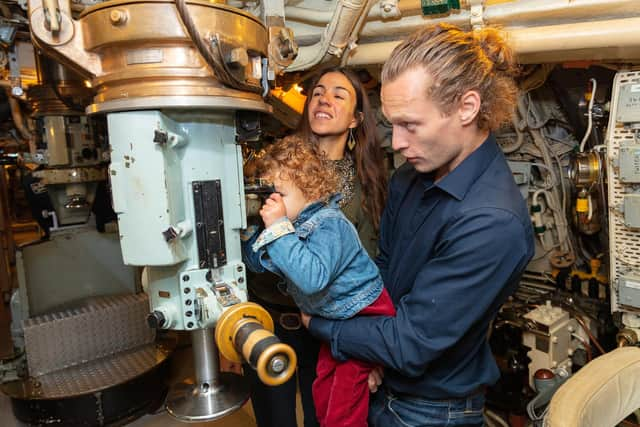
(337, 118)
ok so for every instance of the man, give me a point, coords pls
(455, 234)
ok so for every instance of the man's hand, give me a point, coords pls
(375, 378)
(305, 318)
(273, 209)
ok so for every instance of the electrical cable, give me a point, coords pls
(589, 333)
(495, 417)
(212, 58)
(594, 85)
(586, 345)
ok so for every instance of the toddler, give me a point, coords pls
(309, 242)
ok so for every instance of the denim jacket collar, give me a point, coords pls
(314, 207)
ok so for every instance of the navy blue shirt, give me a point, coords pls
(451, 252)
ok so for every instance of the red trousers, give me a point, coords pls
(341, 390)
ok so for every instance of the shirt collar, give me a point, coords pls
(458, 182)
(307, 212)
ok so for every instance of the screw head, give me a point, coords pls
(278, 364)
(118, 17)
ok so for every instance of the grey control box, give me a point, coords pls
(629, 290)
(629, 103)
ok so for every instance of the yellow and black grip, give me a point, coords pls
(246, 331)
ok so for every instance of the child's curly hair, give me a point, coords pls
(300, 162)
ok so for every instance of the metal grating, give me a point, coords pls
(99, 374)
(624, 241)
(102, 327)
(91, 377)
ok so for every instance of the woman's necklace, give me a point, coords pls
(347, 173)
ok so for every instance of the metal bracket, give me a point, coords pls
(207, 203)
(477, 14)
(225, 295)
(248, 126)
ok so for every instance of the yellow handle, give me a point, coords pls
(245, 331)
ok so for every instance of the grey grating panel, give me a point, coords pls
(104, 326)
(91, 377)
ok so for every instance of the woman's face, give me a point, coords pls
(332, 106)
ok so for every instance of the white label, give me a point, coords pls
(146, 56)
(256, 67)
(632, 284)
(635, 88)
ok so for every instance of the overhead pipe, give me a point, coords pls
(501, 13)
(551, 11)
(521, 13)
(323, 17)
(335, 37)
(600, 40)
(18, 120)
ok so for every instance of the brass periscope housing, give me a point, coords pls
(139, 54)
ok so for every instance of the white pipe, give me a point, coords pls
(554, 43)
(615, 33)
(323, 17)
(523, 13)
(585, 138)
(336, 35)
(553, 11)
(409, 24)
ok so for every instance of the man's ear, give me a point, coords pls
(469, 107)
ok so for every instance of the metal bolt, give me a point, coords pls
(187, 290)
(240, 279)
(278, 364)
(239, 268)
(387, 8)
(17, 91)
(188, 313)
(239, 57)
(190, 325)
(185, 278)
(118, 17)
(188, 302)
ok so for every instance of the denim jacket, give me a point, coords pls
(327, 271)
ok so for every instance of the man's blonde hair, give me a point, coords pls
(459, 61)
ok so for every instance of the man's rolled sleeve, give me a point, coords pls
(329, 332)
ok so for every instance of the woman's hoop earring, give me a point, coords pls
(351, 140)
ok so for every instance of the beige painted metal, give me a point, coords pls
(342, 30)
(134, 49)
(603, 32)
(611, 40)
(523, 13)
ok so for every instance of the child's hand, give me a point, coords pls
(273, 209)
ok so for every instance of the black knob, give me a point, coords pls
(156, 320)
